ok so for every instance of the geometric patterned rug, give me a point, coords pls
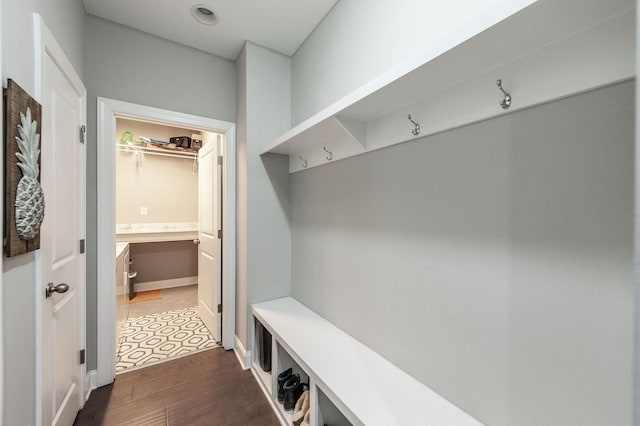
(155, 338)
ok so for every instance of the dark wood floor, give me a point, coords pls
(207, 388)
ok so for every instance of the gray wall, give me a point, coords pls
(636, 360)
(164, 261)
(65, 20)
(264, 237)
(493, 263)
(132, 66)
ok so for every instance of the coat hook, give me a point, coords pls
(505, 103)
(330, 156)
(416, 129)
(304, 162)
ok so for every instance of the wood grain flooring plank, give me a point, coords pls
(229, 408)
(153, 418)
(207, 388)
(146, 388)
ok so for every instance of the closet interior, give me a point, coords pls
(157, 228)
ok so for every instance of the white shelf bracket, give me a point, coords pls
(355, 128)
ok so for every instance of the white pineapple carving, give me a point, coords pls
(29, 196)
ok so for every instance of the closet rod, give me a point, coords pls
(143, 150)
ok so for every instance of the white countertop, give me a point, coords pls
(156, 232)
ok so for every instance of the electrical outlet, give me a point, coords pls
(143, 211)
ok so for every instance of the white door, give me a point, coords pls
(62, 168)
(209, 248)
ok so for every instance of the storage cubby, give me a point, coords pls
(281, 360)
(285, 361)
(327, 413)
(266, 377)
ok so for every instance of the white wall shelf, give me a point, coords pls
(349, 381)
(542, 50)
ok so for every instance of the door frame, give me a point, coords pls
(45, 45)
(108, 110)
(2, 256)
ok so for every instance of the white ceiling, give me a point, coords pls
(281, 25)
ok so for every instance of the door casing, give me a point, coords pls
(108, 110)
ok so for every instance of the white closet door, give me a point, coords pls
(209, 249)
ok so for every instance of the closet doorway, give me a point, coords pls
(163, 203)
(167, 218)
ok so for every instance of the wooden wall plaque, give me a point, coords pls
(16, 101)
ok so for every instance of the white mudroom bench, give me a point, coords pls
(349, 382)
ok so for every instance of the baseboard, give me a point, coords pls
(159, 285)
(91, 383)
(244, 356)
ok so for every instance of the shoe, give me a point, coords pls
(301, 408)
(283, 377)
(307, 419)
(292, 391)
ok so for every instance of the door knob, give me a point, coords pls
(60, 288)
(196, 241)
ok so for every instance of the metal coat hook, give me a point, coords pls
(304, 162)
(416, 129)
(330, 156)
(505, 103)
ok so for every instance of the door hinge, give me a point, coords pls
(220, 233)
(83, 130)
(82, 244)
(82, 357)
(220, 160)
(219, 308)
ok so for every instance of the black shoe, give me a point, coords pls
(292, 391)
(283, 377)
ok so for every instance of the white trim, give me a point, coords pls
(229, 239)
(243, 355)
(90, 383)
(106, 237)
(45, 45)
(161, 284)
(636, 352)
(1, 255)
(108, 109)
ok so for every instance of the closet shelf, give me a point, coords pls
(164, 152)
(541, 50)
